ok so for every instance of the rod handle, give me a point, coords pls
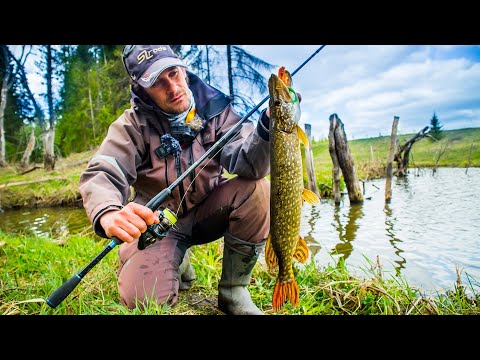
(62, 292)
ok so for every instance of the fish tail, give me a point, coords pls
(283, 291)
(301, 251)
(270, 256)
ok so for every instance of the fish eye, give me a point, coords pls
(277, 103)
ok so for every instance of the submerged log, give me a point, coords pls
(342, 159)
(312, 180)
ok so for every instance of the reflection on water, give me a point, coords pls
(45, 222)
(389, 222)
(347, 233)
(430, 227)
(313, 245)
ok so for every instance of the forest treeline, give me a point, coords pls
(85, 88)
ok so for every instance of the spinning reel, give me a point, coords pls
(157, 231)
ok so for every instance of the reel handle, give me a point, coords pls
(160, 230)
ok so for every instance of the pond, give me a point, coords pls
(430, 229)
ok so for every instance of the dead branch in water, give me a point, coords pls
(440, 153)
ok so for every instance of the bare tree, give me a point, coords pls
(29, 149)
(242, 71)
(230, 71)
(402, 156)
(244, 77)
(48, 132)
(47, 65)
(203, 58)
(8, 70)
(38, 113)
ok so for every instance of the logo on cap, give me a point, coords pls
(145, 55)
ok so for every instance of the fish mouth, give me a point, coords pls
(279, 90)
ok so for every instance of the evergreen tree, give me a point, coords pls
(435, 127)
(95, 92)
(14, 141)
(230, 69)
(244, 78)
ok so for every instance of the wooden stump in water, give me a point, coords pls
(342, 159)
(393, 142)
(312, 180)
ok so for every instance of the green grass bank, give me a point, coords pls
(32, 268)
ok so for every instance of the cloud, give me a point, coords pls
(368, 85)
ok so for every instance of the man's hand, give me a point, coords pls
(129, 223)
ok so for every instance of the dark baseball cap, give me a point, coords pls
(144, 63)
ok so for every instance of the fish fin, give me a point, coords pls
(270, 256)
(310, 197)
(283, 291)
(302, 136)
(301, 251)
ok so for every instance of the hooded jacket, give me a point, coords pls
(127, 158)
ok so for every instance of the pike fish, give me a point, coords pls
(287, 193)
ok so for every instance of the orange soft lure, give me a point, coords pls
(284, 75)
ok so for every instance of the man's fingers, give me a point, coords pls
(121, 234)
(145, 213)
(130, 222)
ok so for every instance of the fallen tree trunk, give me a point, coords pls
(23, 172)
(402, 156)
(3, 186)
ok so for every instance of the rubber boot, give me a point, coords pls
(186, 273)
(239, 258)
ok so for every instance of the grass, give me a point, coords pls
(34, 267)
(43, 188)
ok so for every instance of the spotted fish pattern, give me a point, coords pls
(287, 193)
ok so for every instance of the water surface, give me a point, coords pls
(430, 227)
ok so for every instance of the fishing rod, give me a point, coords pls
(166, 216)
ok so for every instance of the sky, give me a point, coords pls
(367, 85)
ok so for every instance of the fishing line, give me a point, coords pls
(186, 191)
(251, 112)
